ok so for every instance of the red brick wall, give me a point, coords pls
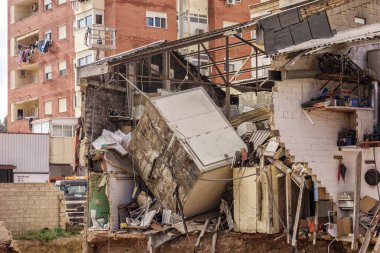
(129, 19)
(219, 12)
(59, 86)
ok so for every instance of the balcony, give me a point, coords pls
(23, 10)
(23, 46)
(25, 75)
(98, 37)
(25, 109)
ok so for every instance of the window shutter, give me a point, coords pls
(62, 32)
(48, 107)
(62, 106)
(48, 69)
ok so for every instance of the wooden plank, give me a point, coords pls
(315, 223)
(376, 249)
(369, 234)
(298, 214)
(202, 233)
(358, 169)
(215, 236)
(288, 205)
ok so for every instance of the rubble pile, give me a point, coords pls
(185, 169)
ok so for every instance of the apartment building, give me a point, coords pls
(48, 39)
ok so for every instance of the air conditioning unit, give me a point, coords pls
(22, 73)
(35, 7)
(199, 31)
(230, 2)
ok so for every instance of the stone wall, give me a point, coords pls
(31, 206)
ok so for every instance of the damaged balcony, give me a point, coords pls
(23, 9)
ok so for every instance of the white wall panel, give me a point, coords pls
(28, 152)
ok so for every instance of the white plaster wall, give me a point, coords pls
(120, 188)
(315, 144)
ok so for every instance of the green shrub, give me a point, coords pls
(46, 234)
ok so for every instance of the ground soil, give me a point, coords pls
(226, 243)
(61, 245)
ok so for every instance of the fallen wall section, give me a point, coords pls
(181, 138)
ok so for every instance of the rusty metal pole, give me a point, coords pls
(257, 70)
(227, 84)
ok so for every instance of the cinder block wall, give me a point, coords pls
(314, 144)
(343, 17)
(31, 206)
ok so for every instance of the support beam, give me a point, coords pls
(315, 223)
(289, 222)
(298, 215)
(184, 66)
(249, 43)
(227, 83)
(214, 64)
(166, 70)
(257, 70)
(358, 178)
(242, 66)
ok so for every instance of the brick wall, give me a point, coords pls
(343, 17)
(31, 206)
(61, 50)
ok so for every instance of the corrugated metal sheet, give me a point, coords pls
(259, 137)
(28, 152)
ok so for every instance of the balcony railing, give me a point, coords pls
(100, 38)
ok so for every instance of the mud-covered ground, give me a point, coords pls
(226, 243)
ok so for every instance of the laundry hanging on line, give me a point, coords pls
(43, 45)
(25, 55)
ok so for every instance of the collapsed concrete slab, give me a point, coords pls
(183, 144)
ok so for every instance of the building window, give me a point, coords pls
(48, 107)
(156, 19)
(48, 72)
(98, 19)
(63, 131)
(62, 68)
(62, 32)
(20, 114)
(231, 67)
(62, 105)
(86, 21)
(84, 60)
(47, 5)
(197, 18)
(61, 2)
(48, 36)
